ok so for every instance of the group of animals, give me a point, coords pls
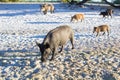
(59, 36)
(50, 7)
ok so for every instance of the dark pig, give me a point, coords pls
(107, 13)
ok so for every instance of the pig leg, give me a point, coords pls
(103, 16)
(72, 42)
(52, 11)
(97, 34)
(108, 32)
(103, 33)
(82, 19)
(110, 15)
(53, 53)
(61, 49)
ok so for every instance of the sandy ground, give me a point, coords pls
(94, 58)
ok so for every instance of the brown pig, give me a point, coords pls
(55, 38)
(47, 7)
(101, 28)
(110, 12)
(77, 17)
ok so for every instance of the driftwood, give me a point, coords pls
(84, 1)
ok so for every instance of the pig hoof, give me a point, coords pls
(51, 59)
(73, 48)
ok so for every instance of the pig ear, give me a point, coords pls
(47, 45)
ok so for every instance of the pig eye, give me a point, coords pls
(47, 45)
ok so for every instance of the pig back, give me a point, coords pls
(103, 27)
(59, 36)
